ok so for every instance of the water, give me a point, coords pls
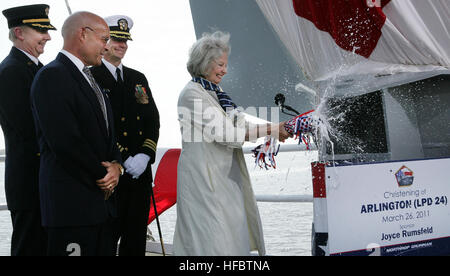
(286, 226)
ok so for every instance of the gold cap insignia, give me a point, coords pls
(123, 24)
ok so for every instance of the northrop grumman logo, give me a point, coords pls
(404, 176)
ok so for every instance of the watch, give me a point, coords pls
(122, 170)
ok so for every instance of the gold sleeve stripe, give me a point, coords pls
(121, 149)
(147, 146)
(150, 144)
(26, 21)
(150, 147)
(150, 141)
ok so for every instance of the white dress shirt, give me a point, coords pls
(33, 58)
(77, 62)
(113, 68)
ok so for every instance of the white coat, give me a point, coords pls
(217, 213)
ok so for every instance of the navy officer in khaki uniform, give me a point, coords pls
(28, 31)
(136, 120)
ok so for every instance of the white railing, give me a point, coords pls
(283, 148)
(2, 159)
(285, 198)
(259, 198)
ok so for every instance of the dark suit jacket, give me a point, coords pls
(17, 72)
(73, 140)
(136, 122)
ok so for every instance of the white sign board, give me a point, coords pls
(398, 208)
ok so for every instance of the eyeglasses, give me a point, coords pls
(104, 38)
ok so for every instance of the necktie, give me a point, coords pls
(119, 76)
(98, 93)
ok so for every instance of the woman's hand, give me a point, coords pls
(282, 133)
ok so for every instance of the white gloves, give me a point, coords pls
(136, 165)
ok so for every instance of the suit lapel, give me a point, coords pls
(105, 77)
(87, 90)
(17, 54)
(109, 77)
(110, 115)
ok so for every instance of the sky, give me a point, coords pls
(162, 34)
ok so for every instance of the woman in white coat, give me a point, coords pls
(217, 212)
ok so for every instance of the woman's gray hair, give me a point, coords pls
(207, 49)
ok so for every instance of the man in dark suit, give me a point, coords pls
(29, 26)
(136, 119)
(79, 157)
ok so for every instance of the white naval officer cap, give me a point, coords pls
(119, 26)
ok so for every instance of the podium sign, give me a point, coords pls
(395, 208)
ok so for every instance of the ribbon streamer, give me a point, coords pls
(268, 150)
(302, 127)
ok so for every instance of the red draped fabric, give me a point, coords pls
(165, 189)
(353, 25)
